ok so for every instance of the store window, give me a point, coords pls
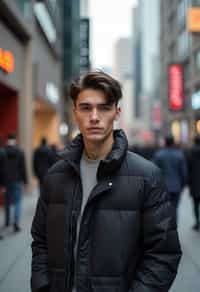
(176, 130)
(198, 126)
(197, 60)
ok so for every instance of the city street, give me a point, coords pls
(15, 253)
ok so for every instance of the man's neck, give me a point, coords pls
(98, 150)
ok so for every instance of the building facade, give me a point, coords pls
(180, 60)
(39, 55)
(47, 70)
(146, 69)
(16, 73)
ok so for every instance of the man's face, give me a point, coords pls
(94, 116)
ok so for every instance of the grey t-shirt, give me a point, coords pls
(88, 171)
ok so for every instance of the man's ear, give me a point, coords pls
(118, 112)
(74, 113)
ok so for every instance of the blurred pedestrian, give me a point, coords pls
(194, 179)
(54, 153)
(16, 178)
(172, 163)
(43, 159)
(103, 221)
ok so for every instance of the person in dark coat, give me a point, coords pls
(16, 178)
(194, 179)
(103, 221)
(172, 163)
(43, 159)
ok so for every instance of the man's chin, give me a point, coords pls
(94, 138)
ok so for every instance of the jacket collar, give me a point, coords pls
(107, 166)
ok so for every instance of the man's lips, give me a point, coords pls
(94, 129)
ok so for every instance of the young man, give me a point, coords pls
(103, 222)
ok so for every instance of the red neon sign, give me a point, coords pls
(7, 61)
(176, 87)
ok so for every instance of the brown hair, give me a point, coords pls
(97, 80)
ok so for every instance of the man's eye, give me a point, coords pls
(84, 108)
(105, 107)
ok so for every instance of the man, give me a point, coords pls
(42, 160)
(194, 179)
(16, 177)
(172, 163)
(103, 221)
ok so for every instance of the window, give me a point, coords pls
(184, 43)
(197, 60)
(25, 6)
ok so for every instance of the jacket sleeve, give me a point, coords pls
(39, 273)
(161, 250)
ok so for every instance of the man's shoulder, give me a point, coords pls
(61, 166)
(140, 166)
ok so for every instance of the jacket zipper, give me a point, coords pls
(67, 281)
(81, 227)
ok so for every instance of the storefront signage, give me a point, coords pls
(196, 100)
(176, 87)
(193, 19)
(7, 61)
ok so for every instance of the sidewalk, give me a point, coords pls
(188, 278)
(15, 252)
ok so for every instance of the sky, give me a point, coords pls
(110, 20)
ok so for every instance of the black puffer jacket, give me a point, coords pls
(128, 239)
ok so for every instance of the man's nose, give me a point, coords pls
(94, 114)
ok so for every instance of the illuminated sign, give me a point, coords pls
(7, 61)
(193, 19)
(176, 87)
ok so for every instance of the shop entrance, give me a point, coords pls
(8, 115)
(46, 123)
(8, 111)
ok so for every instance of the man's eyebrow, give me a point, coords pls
(88, 103)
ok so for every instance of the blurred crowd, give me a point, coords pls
(180, 168)
(13, 175)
